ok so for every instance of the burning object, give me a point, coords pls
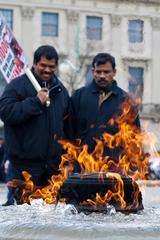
(102, 181)
(94, 191)
(88, 192)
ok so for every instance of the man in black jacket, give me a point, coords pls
(32, 129)
(96, 104)
(2, 157)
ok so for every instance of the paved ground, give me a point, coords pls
(3, 193)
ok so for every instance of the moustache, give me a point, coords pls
(47, 72)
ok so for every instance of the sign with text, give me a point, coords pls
(12, 57)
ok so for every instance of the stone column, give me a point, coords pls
(115, 33)
(67, 69)
(72, 20)
(27, 14)
(155, 23)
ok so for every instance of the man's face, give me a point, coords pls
(45, 68)
(103, 74)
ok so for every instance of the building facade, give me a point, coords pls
(129, 30)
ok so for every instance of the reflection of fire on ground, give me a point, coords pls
(132, 163)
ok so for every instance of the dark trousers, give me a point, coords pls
(9, 177)
(39, 171)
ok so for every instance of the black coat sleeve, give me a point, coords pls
(68, 127)
(137, 122)
(16, 108)
(75, 106)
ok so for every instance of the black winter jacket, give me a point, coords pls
(90, 121)
(31, 129)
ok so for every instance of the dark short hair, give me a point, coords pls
(102, 58)
(46, 51)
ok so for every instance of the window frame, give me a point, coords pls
(135, 33)
(139, 81)
(90, 35)
(9, 22)
(52, 26)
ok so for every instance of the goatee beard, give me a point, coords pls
(107, 88)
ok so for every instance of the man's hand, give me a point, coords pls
(43, 95)
(6, 166)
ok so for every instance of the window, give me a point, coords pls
(88, 74)
(135, 31)
(136, 81)
(8, 15)
(94, 28)
(49, 24)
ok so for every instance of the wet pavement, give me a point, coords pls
(50, 222)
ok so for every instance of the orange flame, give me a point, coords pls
(131, 162)
(117, 194)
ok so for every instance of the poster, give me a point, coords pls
(12, 58)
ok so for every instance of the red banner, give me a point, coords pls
(12, 57)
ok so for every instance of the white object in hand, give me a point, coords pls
(35, 83)
(32, 79)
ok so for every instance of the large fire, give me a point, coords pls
(132, 163)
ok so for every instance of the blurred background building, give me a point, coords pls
(128, 29)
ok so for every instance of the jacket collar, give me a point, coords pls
(95, 89)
